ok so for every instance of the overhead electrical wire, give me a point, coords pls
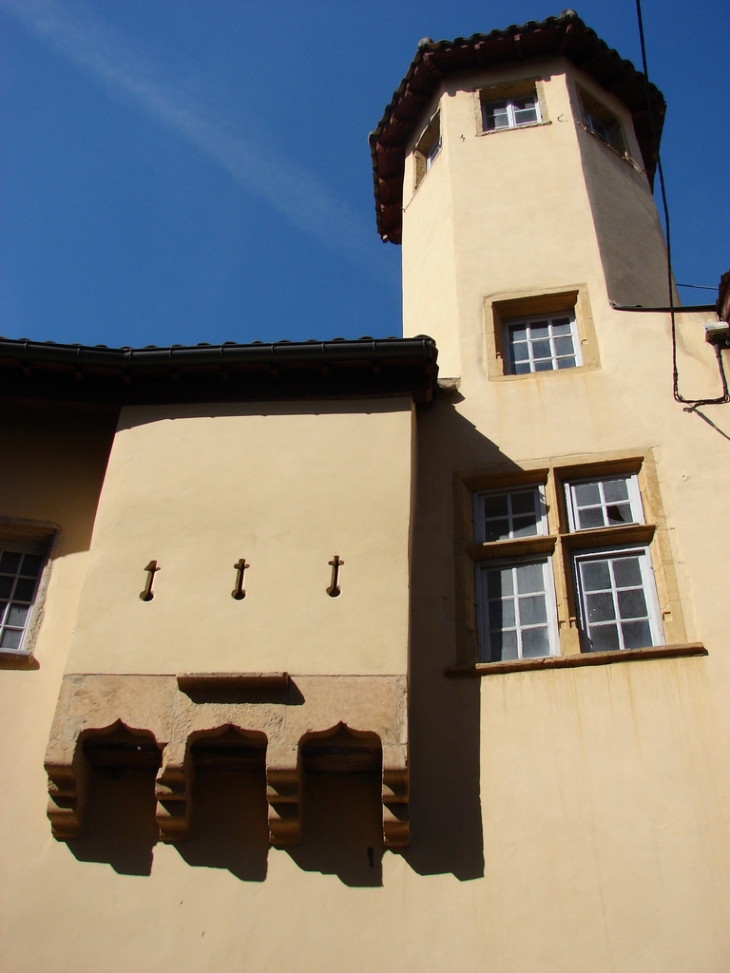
(693, 403)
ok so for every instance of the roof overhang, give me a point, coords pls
(566, 36)
(286, 370)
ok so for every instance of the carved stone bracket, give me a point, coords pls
(396, 823)
(68, 774)
(275, 712)
(173, 790)
(283, 794)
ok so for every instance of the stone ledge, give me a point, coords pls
(585, 659)
(232, 680)
(102, 717)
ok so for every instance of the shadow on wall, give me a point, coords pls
(229, 824)
(446, 818)
(342, 828)
(342, 812)
(341, 834)
(119, 825)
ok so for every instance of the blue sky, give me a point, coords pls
(198, 170)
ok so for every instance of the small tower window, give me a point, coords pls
(541, 344)
(510, 112)
(602, 123)
(428, 148)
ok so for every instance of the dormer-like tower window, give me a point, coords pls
(510, 112)
(602, 123)
(428, 148)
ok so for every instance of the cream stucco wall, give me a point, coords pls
(601, 793)
(561, 820)
(285, 486)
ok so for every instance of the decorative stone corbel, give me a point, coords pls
(396, 823)
(173, 789)
(68, 777)
(283, 793)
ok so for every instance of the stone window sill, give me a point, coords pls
(585, 659)
(513, 128)
(12, 659)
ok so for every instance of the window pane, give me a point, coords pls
(6, 586)
(496, 116)
(502, 613)
(522, 368)
(533, 610)
(3, 606)
(24, 589)
(561, 326)
(619, 513)
(17, 615)
(530, 578)
(637, 635)
(595, 575)
(539, 330)
(564, 346)
(632, 604)
(520, 351)
(627, 572)
(496, 530)
(535, 642)
(591, 517)
(604, 638)
(495, 506)
(545, 365)
(11, 639)
(525, 526)
(523, 116)
(586, 494)
(523, 503)
(499, 583)
(614, 490)
(566, 363)
(541, 349)
(31, 565)
(503, 646)
(9, 562)
(600, 607)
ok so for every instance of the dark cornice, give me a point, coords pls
(287, 370)
(566, 36)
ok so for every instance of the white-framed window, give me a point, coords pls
(501, 515)
(516, 610)
(510, 112)
(617, 598)
(433, 153)
(20, 571)
(607, 502)
(542, 343)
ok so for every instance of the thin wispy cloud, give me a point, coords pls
(293, 191)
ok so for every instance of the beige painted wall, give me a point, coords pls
(523, 211)
(602, 794)
(285, 486)
(560, 820)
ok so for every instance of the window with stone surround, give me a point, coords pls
(540, 334)
(21, 566)
(564, 560)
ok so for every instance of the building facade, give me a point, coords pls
(405, 652)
